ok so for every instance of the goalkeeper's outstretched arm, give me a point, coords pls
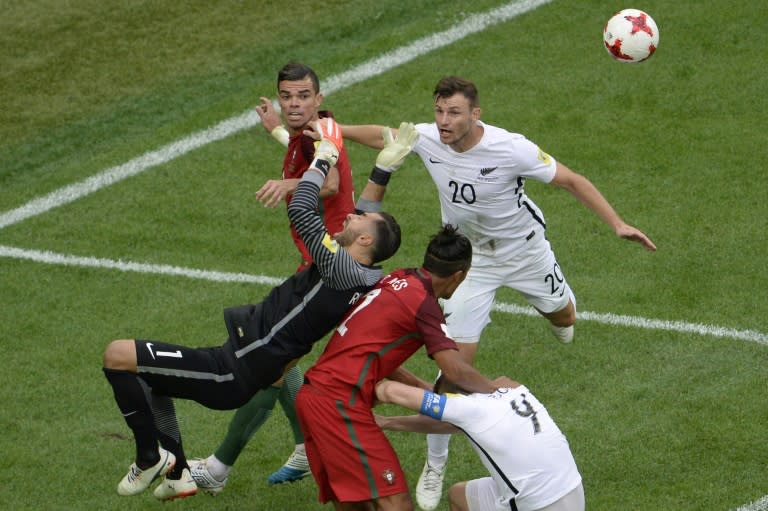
(396, 145)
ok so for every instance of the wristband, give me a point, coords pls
(281, 135)
(379, 176)
(323, 166)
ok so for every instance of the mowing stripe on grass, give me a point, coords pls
(249, 119)
(217, 276)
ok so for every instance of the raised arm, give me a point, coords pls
(365, 134)
(395, 149)
(588, 194)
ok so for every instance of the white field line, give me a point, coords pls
(760, 504)
(649, 324)
(471, 25)
(362, 72)
(217, 276)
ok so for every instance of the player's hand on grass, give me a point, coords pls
(628, 232)
(331, 142)
(396, 148)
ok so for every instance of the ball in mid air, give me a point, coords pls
(631, 35)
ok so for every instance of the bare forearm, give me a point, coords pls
(588, 194)
(365, 134)
(414, 424)
(406, 377)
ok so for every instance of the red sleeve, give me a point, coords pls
(431, 323)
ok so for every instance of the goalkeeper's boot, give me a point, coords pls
(429, 489)
(137, 480)
(170, 489)
(203, 477)
(297, 467)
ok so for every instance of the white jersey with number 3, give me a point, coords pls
(482, 189)
(518, 442)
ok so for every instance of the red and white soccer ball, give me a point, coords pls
(631, 35)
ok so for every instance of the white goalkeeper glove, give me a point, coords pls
(331, 142)
(395, 150)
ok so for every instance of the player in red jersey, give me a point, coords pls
(351, 459)
(299, 96)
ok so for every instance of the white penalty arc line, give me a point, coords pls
(226, 277)
(249, 119)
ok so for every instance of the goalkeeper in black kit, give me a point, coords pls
(264, 339)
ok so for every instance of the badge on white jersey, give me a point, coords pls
(544, 157)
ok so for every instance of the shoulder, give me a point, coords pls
(497, 135)
(427, 132)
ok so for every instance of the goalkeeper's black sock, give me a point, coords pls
(130, 398)
(168, 432)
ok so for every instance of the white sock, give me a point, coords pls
(300, 449)
(216, 468)
(437, 450)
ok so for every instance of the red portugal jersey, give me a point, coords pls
(388, 325)
(334, 210)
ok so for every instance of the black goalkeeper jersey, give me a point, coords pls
(264, 337)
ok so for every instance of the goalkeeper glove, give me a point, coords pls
(395, 150)
(327, 151)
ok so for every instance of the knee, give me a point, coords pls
(457, 497)
(121, 355)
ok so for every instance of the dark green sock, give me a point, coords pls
(245, 423)
(292, 380)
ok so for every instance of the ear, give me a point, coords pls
(476, 113)
(458, 277)
(319, 99)
(364, 240)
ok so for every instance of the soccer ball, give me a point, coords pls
(631, 35)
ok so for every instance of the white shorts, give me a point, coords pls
(482, 495)
(533, 272)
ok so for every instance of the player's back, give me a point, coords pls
(512, 431)
(387, 326)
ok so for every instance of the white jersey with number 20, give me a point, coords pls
(482, 189)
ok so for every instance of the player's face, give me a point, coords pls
(356, 225)
(455, 120)
(299, 102)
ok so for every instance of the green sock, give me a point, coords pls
(292, 380)
(245, 423)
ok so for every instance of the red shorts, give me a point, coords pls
(349, 455)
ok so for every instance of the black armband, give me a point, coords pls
(323, 166)
(379, 177)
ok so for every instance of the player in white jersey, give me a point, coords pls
(530, 463)
(480, 172)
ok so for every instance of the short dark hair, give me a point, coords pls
(294, 71)
(451, 85)
(387, 238)
(448, 252)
